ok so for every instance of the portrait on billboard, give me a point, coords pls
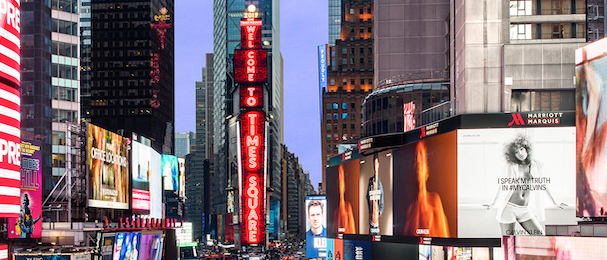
(170, 172)
(28, 224)
(375, 189)
(343, 206)
(426, 173)
(316, 232)
(108, 159)
(514, 181)
(591, 123)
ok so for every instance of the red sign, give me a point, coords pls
(251, 96)
(10, 41)
(3, 252)
(516, 120)
(253, 187)
(141, 199)
(250, 33)
(10, 151)
(251, 65)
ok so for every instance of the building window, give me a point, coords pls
(558, 31)
(520, 7)
(344, 61)
(335, 116)
(329, 137)
(344, 105)
(344, 116)
(362, 50)
(360, 11)
(352, 126)
(329, 106)
(520, 31)
(370, 60)
(328, 127)
(368, 10)
(352, 116)
(332, 82)
(335, 137)
(328, 116)
(542, 100)
(344, 126)
(362, 81)
(328, 147)
(361, 30)
(362, 60)
(344, 51)
(344, 82)
(352, 82)
(351, 50)
(351, 10)
(351, 60)
(335, 106)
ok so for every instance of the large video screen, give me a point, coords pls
(108, 166)
(170, 172)
(343, 207)
(426, 197)
(141, 169)
(514, 181)
(375, 190)
(316, 222)
(591, 123)
(127, 246)
(181, 162)
(29, 224)
(156, 185)
(553, 247)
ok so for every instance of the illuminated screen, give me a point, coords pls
(250, 33)
(141, 170)
(107, 246)
(316, 222)
(108, 162)
(181, 162)
(251, 96)
(29, 224)
(126, 246)
(508, 176)
(343, 215)
(251, 65)
(553, 247)
(170, 172)
(156, 185)
(425, 200)
(3, 252)
(151, 246)
(274, 227)
(375, 189)
(591, 122)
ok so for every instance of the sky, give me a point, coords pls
(303, 26)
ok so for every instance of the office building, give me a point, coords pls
(184, 142)
(132, 77)
(350, 75)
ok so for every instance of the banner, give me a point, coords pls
(316, 222)
(170, 172)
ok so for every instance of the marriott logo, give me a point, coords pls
(544, 118)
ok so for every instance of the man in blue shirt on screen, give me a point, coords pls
(316, 235)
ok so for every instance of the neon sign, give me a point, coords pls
(250, 33)
(251, 65)
(253, 193)
(251, 96)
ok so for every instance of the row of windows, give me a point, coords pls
(352, 82)
(65, 94)
(127, 34)
(344, 61)
(64, 49)
(65, 27)
(343, 126)
(114, 44)
(70, 6)
(64, 71)
(336, 106)
(352, 51)
(61, 115)
(120, 112)
(360, 10)
(336, 116)
(547, 31)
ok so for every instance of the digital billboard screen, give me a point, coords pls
(170, 172)
(107, 246)
(28, 224)
(108, 166)
(591, 123)
(426, 197)
(251, 65)
(181, 162)
(151, 246)
(155, 184)
(127, 246)
(514, 181)
(343, 206)
(375, 189)
(316, 222)
(553, 247)
(141, 169)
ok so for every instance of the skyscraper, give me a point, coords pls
(132, 78)
(226, 39)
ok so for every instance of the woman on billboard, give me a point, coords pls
(520, 203)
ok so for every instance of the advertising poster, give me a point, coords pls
(338, 249)
(357, 250)
(157, 247)
(316, 222)
(274, 226)
(591, 123)
(330, 249)
(375, 189)
(344, 211)
(426, 199)
(181, 162)
(141, 167)
(126, 246)
(155, 185)
(108, 162)
(145, 250)
(29, 224)
(107, 246)
(514, 181)
(170, 172)
(553, 247)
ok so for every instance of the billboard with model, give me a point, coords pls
(316, 222)
(343, 207)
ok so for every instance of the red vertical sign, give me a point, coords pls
(250, 66)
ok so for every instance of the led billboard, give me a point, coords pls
(108, 162)
(28, 224)
(316, 222)
(155, 184)
(127, 246)
(425, 202)
(250, 33)
(375, 189)
(151, 247)
(181, 162)
(141, 169)
(107, 246)
(343, 207)
(514, 181)
(170, 172)
(591, 121)
(251, 65)
(553, 247)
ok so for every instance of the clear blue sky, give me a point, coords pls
(303, 26)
